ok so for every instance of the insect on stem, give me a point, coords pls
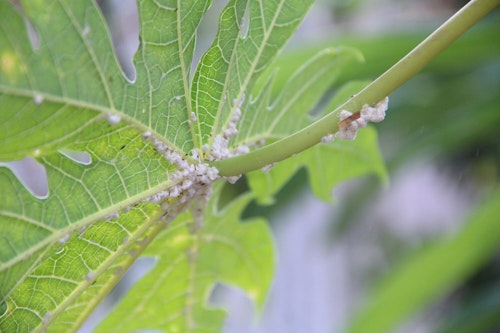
(345, 122)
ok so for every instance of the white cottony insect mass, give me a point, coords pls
(64, 239)
(377, 113)
(193, 117)
(38, 99)
(89, 276)
(349, 122)
(113, 119)
(348, 131)
(193, 178)
(328, 138)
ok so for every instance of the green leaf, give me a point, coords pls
(230, 68)
(290, 111)
(59, 96)
(327, 164)
(190, 259)
(79, 195)
(62, 89)
(73, 277)
(435, 270)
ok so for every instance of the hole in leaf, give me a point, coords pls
(207, 31)
(33, 35)
(31, 174)
(79, 157)
(123, 23)
(239, 305)
(140, 268)
(3, 308)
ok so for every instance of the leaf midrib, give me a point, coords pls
(250, 74)
(58, 234)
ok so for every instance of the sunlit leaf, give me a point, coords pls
(190, 258)
(121, 157)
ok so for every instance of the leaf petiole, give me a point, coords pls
(385, 84)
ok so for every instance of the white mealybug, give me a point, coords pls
(193, 178)
(64, 239)
(113, 216)
(85, 31)
(377, 113)
(328, 138)
(38, 99)
(195, 155)
(240, 150)
(113, 119)
(175, 191)
(268, 167)
(89, 276)
(361, 122)
(350, 122)
(348, 128)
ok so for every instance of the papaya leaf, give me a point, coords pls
(250, 35)
(190, 259)
(65, 285)
(328, 163)
(145, 145)
(62, 93)
(289, 112)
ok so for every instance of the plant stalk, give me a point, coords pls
(393, 78)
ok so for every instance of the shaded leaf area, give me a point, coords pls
(271, 119)
(250, 35)
(478, 46)
(58, 96)
(327, 164)
(481, 313)
(79, 195)
(49, 94)
(74, 273)
(191, 258)
(74, 76)
(433, 271)
(63, 89)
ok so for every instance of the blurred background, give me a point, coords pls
(440, 141)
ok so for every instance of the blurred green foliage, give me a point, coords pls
(448, 114)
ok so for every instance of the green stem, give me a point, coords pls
(385, 84)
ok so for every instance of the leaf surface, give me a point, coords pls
(327, 164)
(62, 89)
(230, 68)
(190, 259)
(68, 92)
